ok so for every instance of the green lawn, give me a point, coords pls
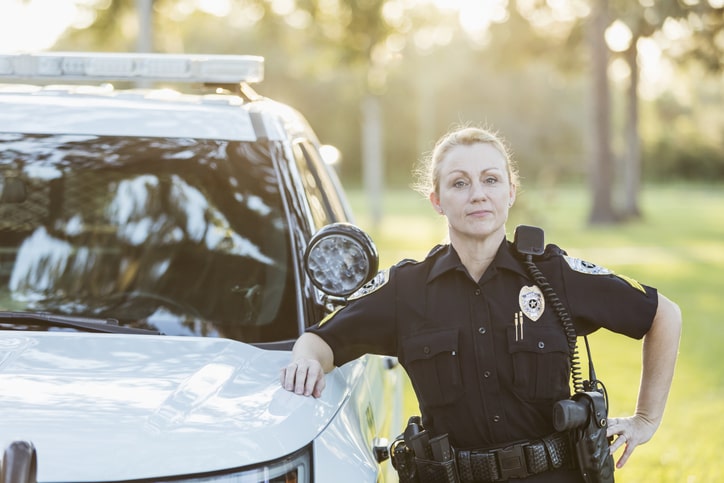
(678, 247)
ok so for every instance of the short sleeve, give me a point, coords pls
(598, 297)
(365, 325)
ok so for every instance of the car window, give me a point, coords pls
(326, 205)
(185, 236)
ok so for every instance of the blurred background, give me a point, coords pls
(605, 92)
(613, 109)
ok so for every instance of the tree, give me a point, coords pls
(644, 20)
(602, 159)
(324, 55)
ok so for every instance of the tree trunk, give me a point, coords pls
(144, 42)
(632, 165)
(601, 173)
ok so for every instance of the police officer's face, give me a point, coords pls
(475, 192)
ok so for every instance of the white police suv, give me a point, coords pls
(160, 251)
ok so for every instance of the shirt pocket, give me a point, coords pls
(433, 364)
(540, 362)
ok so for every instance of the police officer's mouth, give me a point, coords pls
(479, 213)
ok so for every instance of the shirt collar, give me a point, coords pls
(446, 261)
(505, 258)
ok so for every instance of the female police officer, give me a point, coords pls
(485, 353)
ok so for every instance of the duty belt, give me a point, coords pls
(518, 460)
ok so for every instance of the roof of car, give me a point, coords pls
(33, 106)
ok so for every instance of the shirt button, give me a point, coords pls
(541, 345)
(426, 349)
(481, 330)
(496, 419)
(486, 374)
(477, 292)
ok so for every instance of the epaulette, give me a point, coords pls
(550, 251)
(406, 261)
(435, 250)
(411, 261)
(553, 251)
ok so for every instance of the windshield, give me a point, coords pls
(184, 236)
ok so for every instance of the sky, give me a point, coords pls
(33, 25)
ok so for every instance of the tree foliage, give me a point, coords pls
(526, 75)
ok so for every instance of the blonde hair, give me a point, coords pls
(427, 173)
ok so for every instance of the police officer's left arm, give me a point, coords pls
(660, 349)
(599, 297)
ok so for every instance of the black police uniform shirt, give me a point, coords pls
(487, 359)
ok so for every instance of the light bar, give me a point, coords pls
(226, 69)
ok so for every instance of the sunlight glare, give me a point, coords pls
(32, 25)
(475, 16)
(675, 30)
(283, 7)
(619, 70)
(656, 72)
(618, 36)
(218, 8)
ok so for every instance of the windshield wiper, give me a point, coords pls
(86, 324)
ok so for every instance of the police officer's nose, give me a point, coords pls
(477, 192)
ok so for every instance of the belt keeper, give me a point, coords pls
(554, 455)
(465, 468)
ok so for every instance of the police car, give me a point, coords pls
(166, 233)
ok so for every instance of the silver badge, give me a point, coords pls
(531, 302)
(586, 267)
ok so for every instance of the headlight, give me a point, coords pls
(294, 468)
(340, 258)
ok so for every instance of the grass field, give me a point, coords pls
(677, 247)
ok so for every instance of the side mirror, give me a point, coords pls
(19, 463)
(340, 259)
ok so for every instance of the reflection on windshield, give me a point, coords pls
(180, 235)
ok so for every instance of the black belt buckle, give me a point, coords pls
(511, 461)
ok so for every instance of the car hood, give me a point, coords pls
(101, 407)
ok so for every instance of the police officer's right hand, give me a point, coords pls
(303, 377)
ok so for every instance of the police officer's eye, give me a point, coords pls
(491, 180)
(459, 184)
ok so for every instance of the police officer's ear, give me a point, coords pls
(435, 200)
(513, 194)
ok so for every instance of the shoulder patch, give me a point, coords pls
(553, 250)
(592, 269)
(586, 267)
(634, 283)
(373, 285)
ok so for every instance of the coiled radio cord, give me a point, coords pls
(570, 331)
